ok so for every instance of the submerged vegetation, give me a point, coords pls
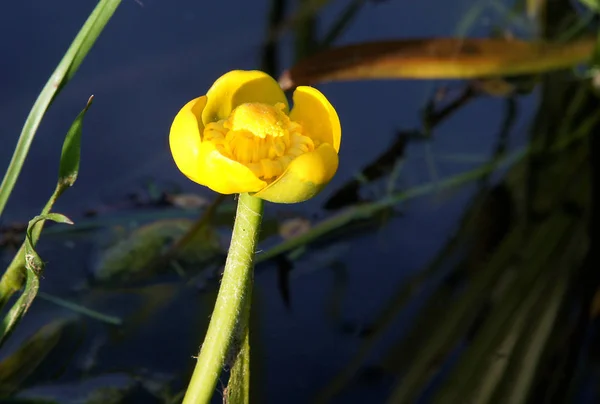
(506, 311)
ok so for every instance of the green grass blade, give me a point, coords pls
(368, 210)
(452, 327)
(65, 70)
(531, 350)
(34, 267)
(15, 275)
(528, 359)
(530, 280)
(77, 308)
(71, 150)
(427, 319)
(593, 5)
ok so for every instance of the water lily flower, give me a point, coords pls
(242, 137)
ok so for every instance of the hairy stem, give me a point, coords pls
(231, 304)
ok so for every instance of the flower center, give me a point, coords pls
(261, 137)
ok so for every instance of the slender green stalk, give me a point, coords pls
(77, 308)
(367, 210)
(14, 277)
(238, 388)
(232, 305)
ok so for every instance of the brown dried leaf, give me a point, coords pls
(436, 58)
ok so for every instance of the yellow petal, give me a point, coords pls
(224, 175)
(200, 161)
(316, 114)
(186, 136)
(304, 177)
(238, 87)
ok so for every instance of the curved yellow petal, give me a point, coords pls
(201, 162)
(224, 175)
(238, 87)
(185, 137)
(316, 114)
(304, 178)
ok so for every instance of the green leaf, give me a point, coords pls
(71, 150)
(64, 72)
(20, 364)
(33, 233)
(13, 278)
(34, 267)
(593, 5)
(132, 257)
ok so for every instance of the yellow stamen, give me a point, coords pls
(260, 136)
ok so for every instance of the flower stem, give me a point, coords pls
(238, 387)
(236, 288)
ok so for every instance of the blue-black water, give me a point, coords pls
(153, 58)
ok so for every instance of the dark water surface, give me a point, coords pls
(148, 63)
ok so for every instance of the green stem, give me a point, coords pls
(238, 387)
(14, 277)
(231, 304)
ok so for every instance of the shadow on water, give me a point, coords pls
(353, 318)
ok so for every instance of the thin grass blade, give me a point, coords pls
(34, 267)
(15, 275)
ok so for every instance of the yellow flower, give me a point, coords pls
(240, 137)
